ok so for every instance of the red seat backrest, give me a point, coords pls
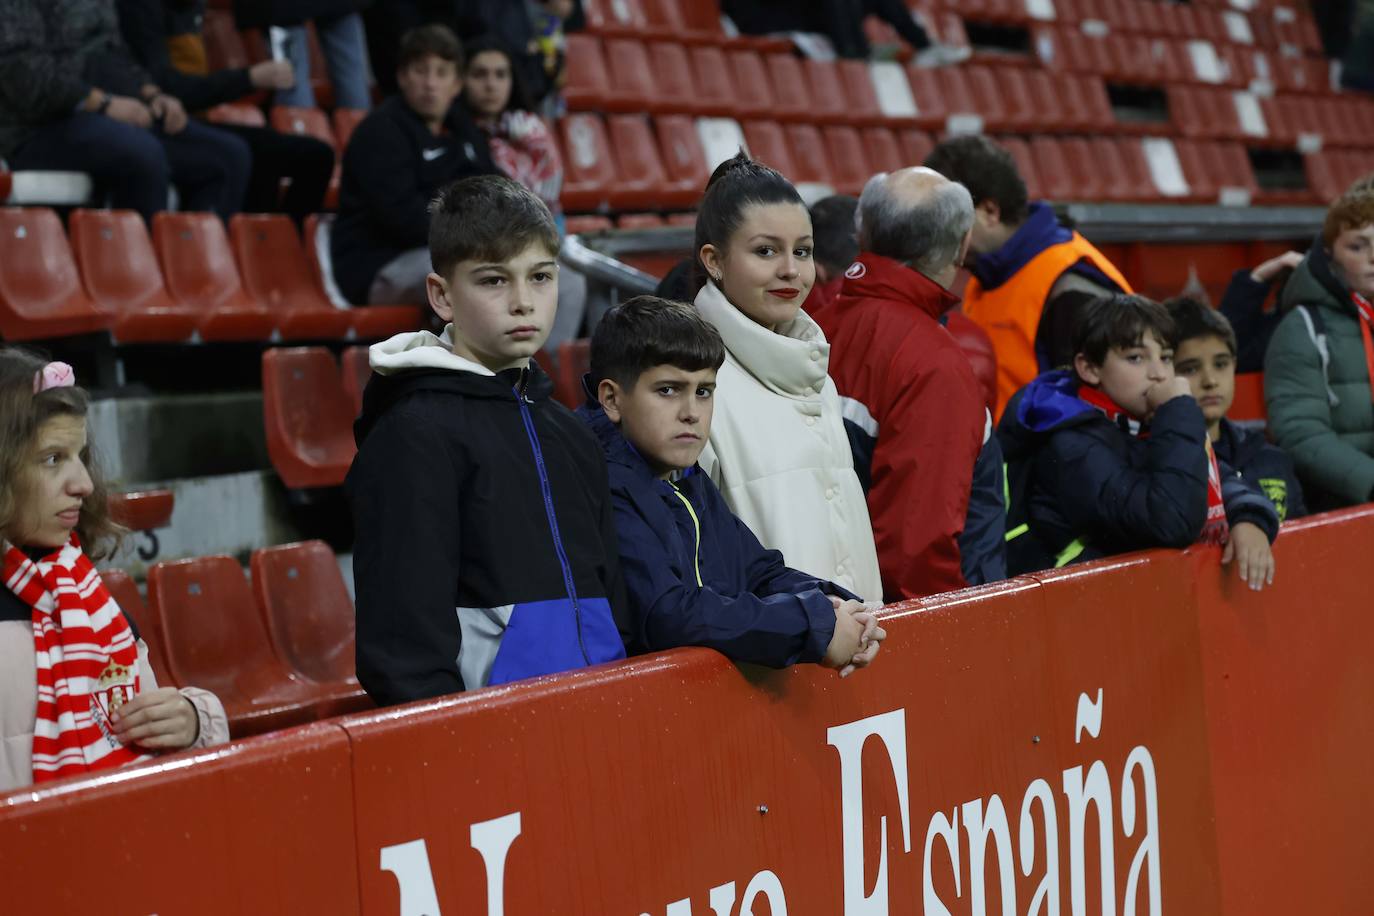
(631, 76)
(304, 122)
(715, 86)
(810, 162)
(224, 48)
(916, 145)
(305, 604)
(588, 157)
(587, 81)
(824, 86)
(849, 167)
(768, 144)
(681, 149)
(117, 261)
(635, 150)
(40, 290)
(1248, 403)
(272, 262)
(673, 76)
(197, 261)
(882, 151)
(307, 415)
(857, 84)
(356, 372)
(346, 120)
(574, 361)
(215, 637)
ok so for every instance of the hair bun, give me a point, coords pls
(740, 162)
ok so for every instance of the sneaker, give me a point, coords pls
(941, 55)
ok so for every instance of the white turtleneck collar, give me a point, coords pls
(792, 361)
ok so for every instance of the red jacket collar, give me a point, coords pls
(875, 277)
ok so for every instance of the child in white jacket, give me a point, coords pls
(778, 450)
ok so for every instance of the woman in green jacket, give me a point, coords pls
(1318, 370)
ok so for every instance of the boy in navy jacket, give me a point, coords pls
(486, 548)
(1206, 357)
(1115, 457)
(695, 574)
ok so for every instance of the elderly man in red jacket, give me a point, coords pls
(916, 416)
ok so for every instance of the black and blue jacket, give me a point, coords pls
(1094, 489)
(1266, 466)
(485, 542)
(697, 576)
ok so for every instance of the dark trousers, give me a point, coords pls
(307, 162)
(133, 167)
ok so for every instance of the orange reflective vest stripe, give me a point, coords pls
(1011, 313)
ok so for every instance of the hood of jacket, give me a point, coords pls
(422, 361)
(1041, 230)
(873, 277)
(1315, 282)
(1048, 403)
(792, 360)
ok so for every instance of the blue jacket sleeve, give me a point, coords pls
(1163, 504)
(983, 542)
(670, 610)
(1243, 306)
(1245, 502)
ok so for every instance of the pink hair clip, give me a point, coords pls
(53, 375)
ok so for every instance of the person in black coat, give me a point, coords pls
(152, 27)
(1206, 357)
(400, 156)
(695, 575)
(1113, 456)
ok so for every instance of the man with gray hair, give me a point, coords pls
(916, 416)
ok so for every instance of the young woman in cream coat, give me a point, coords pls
(778, 450)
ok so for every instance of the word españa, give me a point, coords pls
(985, 822)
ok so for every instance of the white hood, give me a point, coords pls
(420, 350)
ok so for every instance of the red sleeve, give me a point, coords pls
(928, 440)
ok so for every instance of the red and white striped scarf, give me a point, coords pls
(86, 657)
(1217, 530)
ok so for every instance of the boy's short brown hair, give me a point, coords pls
(648, 331)
(1194, 320)
(429, 40)
(1353, 210)
(486, 218)
(1119, 321)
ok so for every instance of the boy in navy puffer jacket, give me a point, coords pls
(1114, 454)
(695, 575)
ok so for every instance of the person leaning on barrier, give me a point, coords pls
(914, 412)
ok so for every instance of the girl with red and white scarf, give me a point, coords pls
(77, 694)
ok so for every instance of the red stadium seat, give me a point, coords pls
(682, 154)
(810, 161)
(861, 99)
(574, 361)
(615, 18)
(769, 145)
(40, 290)
(753, 91)
(632, 78)
(825, 90)
(355, 372)
(1090, 179)
(1248, 403)
(639, 221)
(1088, 95)
(576, 225)
(124, 592)
(308, 417)
(237, 114)
(882, 150)
(369, 322)
(1020, 110)
(675, 84)
(1025, 164)
(1056, 179)
(698, 22)
(215, 639)
(309, 616)
(276, 273)
(715, 90)
(916, 145)
(311, 122)
(346, 120)
(986, 93)
(142, 510)
(849, 168)
(199, 267)
(792, 101)
(120, 270)
(1202, 181)
(642, 182)
(931, 108)
(588, 83)
(589, 170)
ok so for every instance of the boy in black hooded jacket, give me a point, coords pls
(1115, 455)
(486, 547)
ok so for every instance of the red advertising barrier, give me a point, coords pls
(262, 827)
(1108, 739)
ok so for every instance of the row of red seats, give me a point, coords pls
(278, 652)
(190, 281)
(309, 402)
(1282, 121)
(1139, 59)
(1331, 172)
(667, 78)
(334, 129)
